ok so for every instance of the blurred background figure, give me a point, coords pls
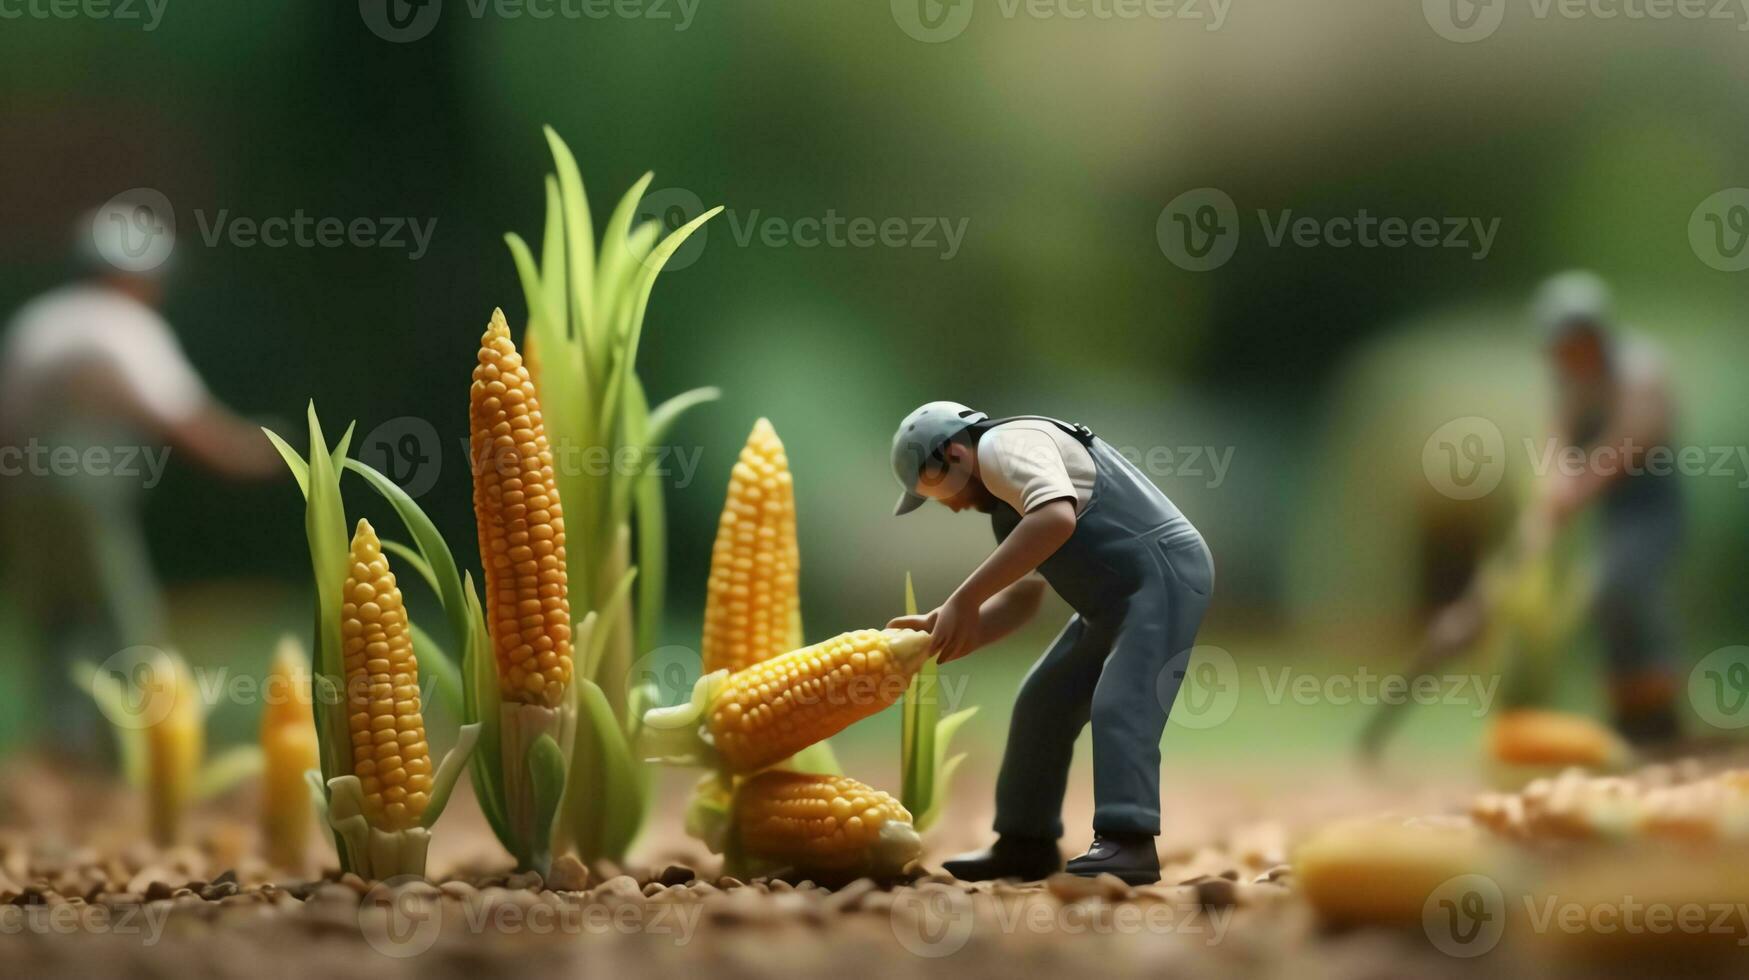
(95, 394)
(1614, 404)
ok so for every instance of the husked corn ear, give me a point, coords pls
(823, 823)
(389, 754)
(774, 709)
(752, 611)
(521, 524)
(1530, 737)
(289, 749)
(175, 742)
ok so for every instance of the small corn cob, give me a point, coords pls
(521, 525)
(762, 715)
(289, 750)
(752, 611)
(175, 743)
(389, 754)
(830, 824)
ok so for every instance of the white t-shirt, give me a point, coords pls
(81, 327)
(1029, 462)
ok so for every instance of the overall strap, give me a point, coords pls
(1081, 433)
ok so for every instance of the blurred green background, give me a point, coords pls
(1057, 141)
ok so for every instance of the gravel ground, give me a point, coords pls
(80, 897)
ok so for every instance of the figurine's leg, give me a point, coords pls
(1137, 687)
(1634, 615)
(1049, 714)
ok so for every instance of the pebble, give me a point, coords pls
(676, 874)
(568, 875)
(850, 896)
(623, 887)
(730, 881)
(1072, 888)
(525, 880)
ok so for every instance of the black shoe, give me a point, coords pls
(1130, 857)
(1026, 858)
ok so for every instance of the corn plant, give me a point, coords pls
(586, 311)
(159, 722)
(288, 750)
(926, 770)
(377, 790)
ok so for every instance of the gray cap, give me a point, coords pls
(919, 437)
(1569, 300)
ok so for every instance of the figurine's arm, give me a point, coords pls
(1642, 422)
(957, 629)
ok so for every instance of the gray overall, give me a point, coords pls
(1139, 577)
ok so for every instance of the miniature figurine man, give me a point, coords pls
(1613, 401)
(1064, 505)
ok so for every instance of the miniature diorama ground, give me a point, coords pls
(84, 895)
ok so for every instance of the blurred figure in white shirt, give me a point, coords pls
(95, 396)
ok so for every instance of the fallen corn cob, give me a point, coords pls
(819, 824)
(521, 526)
(1531, 737)
(289, 751)
(764, 714)
(1383, 871)
(389, 754)
(752, 611)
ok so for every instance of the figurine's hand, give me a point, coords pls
(956, 630)
(926, 623)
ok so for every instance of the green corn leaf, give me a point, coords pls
(619, 793)
(604, 624)
(300, 470)
(579, 238)
(226, 770)
(414, 560)
(436, 663)
(480, 707)
(325, 526)
(430, 543)
(818, 759)
(449, 771)
(112, 700)
(546, 772)
(617, 259)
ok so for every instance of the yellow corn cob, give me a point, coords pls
(521, 525)
(818, 823)
(772, 710)
(175, 742)
(752, 611)
(289, 749)
(389, 754)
